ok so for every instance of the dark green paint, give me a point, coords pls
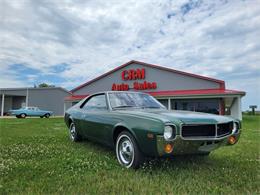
(100, 126)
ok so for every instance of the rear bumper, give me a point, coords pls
(204, 145)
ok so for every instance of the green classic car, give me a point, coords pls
(136, 125)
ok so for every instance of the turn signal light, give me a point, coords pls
(168, 148)
(232, 140)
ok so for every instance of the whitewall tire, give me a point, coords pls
(127, 151)
(22, 115)
(74, 136)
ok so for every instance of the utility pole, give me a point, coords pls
(3, 104)
(27, 97)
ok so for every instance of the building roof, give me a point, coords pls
(196, 92)
(177, 93)
(34, 88)
(220, 82)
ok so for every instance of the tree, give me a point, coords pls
(253, 107)
(45, 85)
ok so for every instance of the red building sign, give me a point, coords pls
(131, 75)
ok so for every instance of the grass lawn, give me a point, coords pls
(36, 156)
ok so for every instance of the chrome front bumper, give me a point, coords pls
(193, 146)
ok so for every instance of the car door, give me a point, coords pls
(29, 111)
(34, 111)
(95, 123)
(39, 112)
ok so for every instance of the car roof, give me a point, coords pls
(106, 92)
(101, 92)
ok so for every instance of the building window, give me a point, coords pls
(197, 105)
(164, 102)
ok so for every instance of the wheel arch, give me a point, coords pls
(120, 128)
(147, 146)
(70, 120)
(23, 113)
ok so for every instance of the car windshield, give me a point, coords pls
(135, 100)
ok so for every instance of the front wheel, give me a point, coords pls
(74, 136)
(47, 115)
(127, 151)
(22, 115)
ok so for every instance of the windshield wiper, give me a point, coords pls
(124, 106)
(150, 107)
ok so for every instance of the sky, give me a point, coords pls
(68, 42)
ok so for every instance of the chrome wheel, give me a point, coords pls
(125, 150)
(72, 131)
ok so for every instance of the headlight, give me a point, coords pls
(169, 132)
(235, 127)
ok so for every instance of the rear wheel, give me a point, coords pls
(74, 136)
(23, 115)
(127, 151)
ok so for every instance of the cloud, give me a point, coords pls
(71, 42)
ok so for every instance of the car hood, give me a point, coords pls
(185, 117)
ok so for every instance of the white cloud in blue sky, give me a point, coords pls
(66, 43)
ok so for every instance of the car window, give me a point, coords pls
(97, 102)
(141, 100)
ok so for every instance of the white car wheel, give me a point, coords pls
(22, 115)
(127, 151)
(74, 136)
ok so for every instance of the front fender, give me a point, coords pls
(144, 134)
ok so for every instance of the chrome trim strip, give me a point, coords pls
(108, 102)
(206, 138)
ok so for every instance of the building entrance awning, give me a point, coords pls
(203, 92)
(178, 93)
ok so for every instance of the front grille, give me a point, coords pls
(198, 130)
(206, 130)
(224, 129)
